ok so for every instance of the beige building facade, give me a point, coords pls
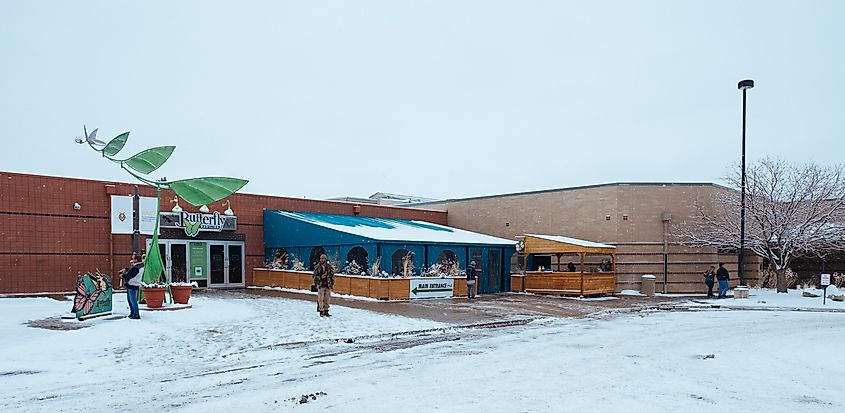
(637, 218)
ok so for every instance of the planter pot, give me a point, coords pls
(181, 293)
(154, 296)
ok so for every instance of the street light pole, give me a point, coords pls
(743, 86)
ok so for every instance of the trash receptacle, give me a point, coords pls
(647, 286)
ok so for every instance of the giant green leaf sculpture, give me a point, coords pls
(195, 191)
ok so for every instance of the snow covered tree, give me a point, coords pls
(790, 210)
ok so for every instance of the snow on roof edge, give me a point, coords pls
(573, 241)
(418, 231)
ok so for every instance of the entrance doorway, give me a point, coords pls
(174, 256)
(226, 264)
(214, 264)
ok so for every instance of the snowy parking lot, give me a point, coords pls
(263, 354)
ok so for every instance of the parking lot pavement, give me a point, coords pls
(483, 309)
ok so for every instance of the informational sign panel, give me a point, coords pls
(121, 214)
(825, 279)
(147, 214)
(199, 261)
(431, 288)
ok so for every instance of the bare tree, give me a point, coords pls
(791, 210)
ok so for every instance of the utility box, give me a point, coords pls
(647, 286)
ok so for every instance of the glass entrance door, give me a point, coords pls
(178, 262)
(236, 264)
(494, 270)
(226, 260)
(217, 272)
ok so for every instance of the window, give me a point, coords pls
(280, 259)
(316, 252)
(402, 263)
(544, 261)
(359, 256)
(447, 257)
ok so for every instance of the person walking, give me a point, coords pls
(132, 276)
(472, 277)
(709, 280)
(324, 280)
(723, 276)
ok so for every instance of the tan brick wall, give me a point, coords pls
(635, 226)
(580, 213)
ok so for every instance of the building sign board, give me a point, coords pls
(148, 207)
(194, 222)
(121, 214)
(431, 288)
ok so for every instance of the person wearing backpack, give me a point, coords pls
(472, 277)
(709, 280)
(723, 276)
(132, 276)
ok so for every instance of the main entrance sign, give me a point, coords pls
(431, 288)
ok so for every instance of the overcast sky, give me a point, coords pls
(432, 98)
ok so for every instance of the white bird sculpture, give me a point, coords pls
(91, 139)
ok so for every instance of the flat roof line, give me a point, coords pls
(571, 188)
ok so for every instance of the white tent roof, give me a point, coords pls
(573, 241)
(386, 229)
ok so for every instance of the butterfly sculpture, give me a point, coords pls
(84, 300)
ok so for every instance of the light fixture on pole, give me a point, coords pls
(176, 208)
(743, 86)
(228, 211)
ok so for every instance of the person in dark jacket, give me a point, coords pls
(472, 277)
(570, 267)
(131, 276)
(324, 280)
(709, 280)
(723, 276)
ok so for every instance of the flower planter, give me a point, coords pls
(181, 293)
(154, 296)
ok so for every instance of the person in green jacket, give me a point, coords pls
(324, 281)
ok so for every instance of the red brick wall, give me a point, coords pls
(44, 242)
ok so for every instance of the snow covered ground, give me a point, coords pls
(769, 298)
(646, 362)
(37, 363)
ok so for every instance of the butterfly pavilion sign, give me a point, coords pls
(193, 223)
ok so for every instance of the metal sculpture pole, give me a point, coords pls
(195, 191)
